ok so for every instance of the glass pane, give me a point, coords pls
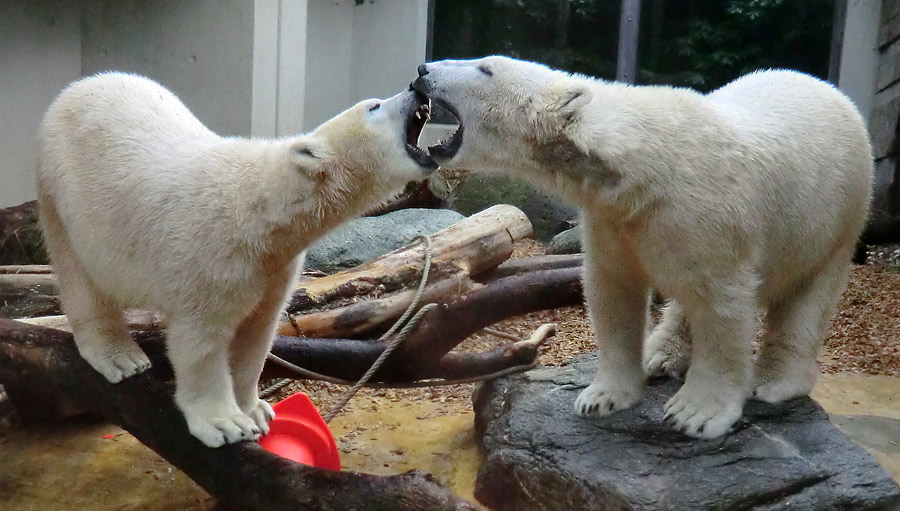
(697, 43)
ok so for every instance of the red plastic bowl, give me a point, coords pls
(300, 434)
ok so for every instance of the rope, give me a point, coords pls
(306, 373)
(404, 333)
(275, 387)
(401, 337)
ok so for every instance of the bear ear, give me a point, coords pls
(568, 96)
(309, 155)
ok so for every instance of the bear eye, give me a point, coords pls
(374, 107)
(486, 70)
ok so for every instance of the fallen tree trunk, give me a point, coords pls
(28, 294)
(241, 475)
(473, 245)
(426, 353)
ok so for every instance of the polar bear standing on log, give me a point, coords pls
(143, 206)
(750, 197)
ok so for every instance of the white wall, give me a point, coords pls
(244, 67)
(39, 54)
(355, 52)
(202, 50)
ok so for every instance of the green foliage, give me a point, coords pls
(697, 43)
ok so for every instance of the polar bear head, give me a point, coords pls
(362, 155)
(506, 109)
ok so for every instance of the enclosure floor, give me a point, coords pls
(94, 467)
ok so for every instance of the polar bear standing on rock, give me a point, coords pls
(748, 198)
(143, 206)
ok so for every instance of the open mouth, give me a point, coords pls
(446, 148)
(415, 122)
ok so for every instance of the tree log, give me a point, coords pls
(368, 315)
(240, 475)
(25, 268)
(473, 245)
(28, 295)
(425, 354)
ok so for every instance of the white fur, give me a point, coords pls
(749, 197)
(143, 206)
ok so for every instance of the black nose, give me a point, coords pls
(423, 70)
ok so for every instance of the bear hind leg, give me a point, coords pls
(797, 324)
(667, 350)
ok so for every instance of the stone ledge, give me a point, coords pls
(540, 456)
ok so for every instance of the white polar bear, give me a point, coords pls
(749, 197)
(143, 206)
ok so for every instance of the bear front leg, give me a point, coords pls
(723, 323)
(617, 305)
(203, 387)
(252, 343)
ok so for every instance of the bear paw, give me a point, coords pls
(218, 431)
(261, 413)
(784, 388)
(707, 413)
(667, 355)
(120, 365)
(661, 362)
(599, 400)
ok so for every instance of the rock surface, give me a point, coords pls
(566, 242)
(478, 191)
(540, 456)
(362, 239)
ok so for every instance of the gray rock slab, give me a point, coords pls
(362, 239)
(540, 456)
(478, 191)
(566, 242)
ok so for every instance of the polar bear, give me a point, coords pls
(143, 206)
(744, 200)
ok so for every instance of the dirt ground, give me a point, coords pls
(863, 338)
(96, 467)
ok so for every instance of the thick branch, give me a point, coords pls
(241, 475)
(473, 245)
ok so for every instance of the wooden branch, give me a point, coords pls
(532, 264)
(425, 355)
(28, 294)
(366, 316)
(241, 475)
(445, 326)
(25, 268)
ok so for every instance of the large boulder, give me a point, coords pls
(540, 456)
(359, 240)
(566, 242)
(478, 191)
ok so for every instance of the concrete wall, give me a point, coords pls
(859, 55)
(244, 67)
(886, 111)
(33, 70)
(202, 50)
(355, 52)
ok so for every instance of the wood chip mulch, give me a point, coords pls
(863, 339)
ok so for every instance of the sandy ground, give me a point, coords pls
(90, 466)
